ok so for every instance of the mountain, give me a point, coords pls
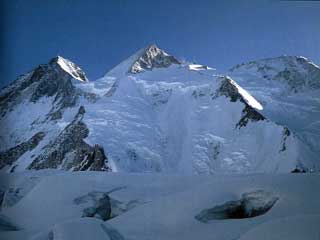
(41, 120)
(294, 73)
(288, 87)
(152, 57)
(69, 148)
(151, 113)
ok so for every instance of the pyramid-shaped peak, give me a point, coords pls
(71, 68)
(155, 49)
(152, 57)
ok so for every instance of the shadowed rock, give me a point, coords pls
(229, 89)
(10, 156)
(250, 205)
(152, 57)
(70, 151)
(7, 225)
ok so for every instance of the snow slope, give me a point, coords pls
(174, 120)
(173, 151)
(288, 87)
(165, 206)
(151, 113)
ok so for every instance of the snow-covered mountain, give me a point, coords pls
(151, 113)
(288, 87)
(41, 123)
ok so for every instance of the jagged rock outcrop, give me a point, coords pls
(47, 80)
(249, 114)
(70, 151)
(229, 89)
(10, 156)
(152, 57)
(286, 134)
(53, 86)
(95, 160)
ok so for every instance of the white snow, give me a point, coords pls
(71, 68)
(248, 98)
(157, 121)
(199, 67)
(167, 206)
(298, 109)
(175, 150)
(293, 228)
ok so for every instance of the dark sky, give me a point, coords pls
(99, 34)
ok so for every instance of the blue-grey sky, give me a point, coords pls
(99, 34)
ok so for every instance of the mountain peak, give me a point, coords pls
(282, 61)
(152, 57)
(297, 72)
(70, 67)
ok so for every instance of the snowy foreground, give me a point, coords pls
(61, 205)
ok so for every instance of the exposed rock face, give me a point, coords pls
(47, 80)
(10, 156)
(95, 160)
(55, 81)
(250, 205)
(10, 94)
(229, 89)
(51, 85)
(286, 134)
(152, 57)
(249, 114)
(70, 151)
